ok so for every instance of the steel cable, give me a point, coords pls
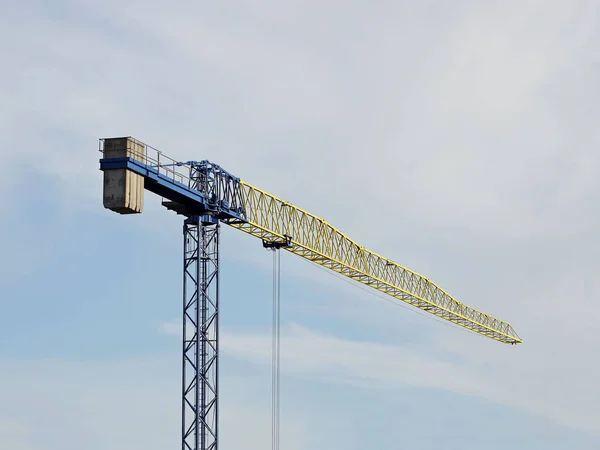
(276, 350)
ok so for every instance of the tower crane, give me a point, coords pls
(208, 196)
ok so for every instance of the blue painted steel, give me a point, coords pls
(221, 188)
(200, 374)
(211, 189)
(207, 195)
(208, 220)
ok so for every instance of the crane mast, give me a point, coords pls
(207, 196)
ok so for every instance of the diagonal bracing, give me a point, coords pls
(200, 335)
(271, 218)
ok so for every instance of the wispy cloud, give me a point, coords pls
(503, 378)
(460, 140)
(119, 404)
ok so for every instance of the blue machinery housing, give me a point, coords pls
(209, 188)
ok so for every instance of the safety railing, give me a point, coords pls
(220, 189)
(161, 163)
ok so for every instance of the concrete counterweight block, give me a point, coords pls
(124, 189)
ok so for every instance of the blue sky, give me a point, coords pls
(460, 140)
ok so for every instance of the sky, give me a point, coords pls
(457, 138)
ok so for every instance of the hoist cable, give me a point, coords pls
(275, 350)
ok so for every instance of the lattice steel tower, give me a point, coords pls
(200, 406)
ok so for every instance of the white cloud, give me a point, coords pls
(504, 376)
(470, 123)
(551, 375)
(15, 434)
(461, 140)
(173, 328)
(119, 405)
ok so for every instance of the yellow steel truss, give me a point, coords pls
(273, 219)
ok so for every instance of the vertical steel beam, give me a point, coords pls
(200, 334)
